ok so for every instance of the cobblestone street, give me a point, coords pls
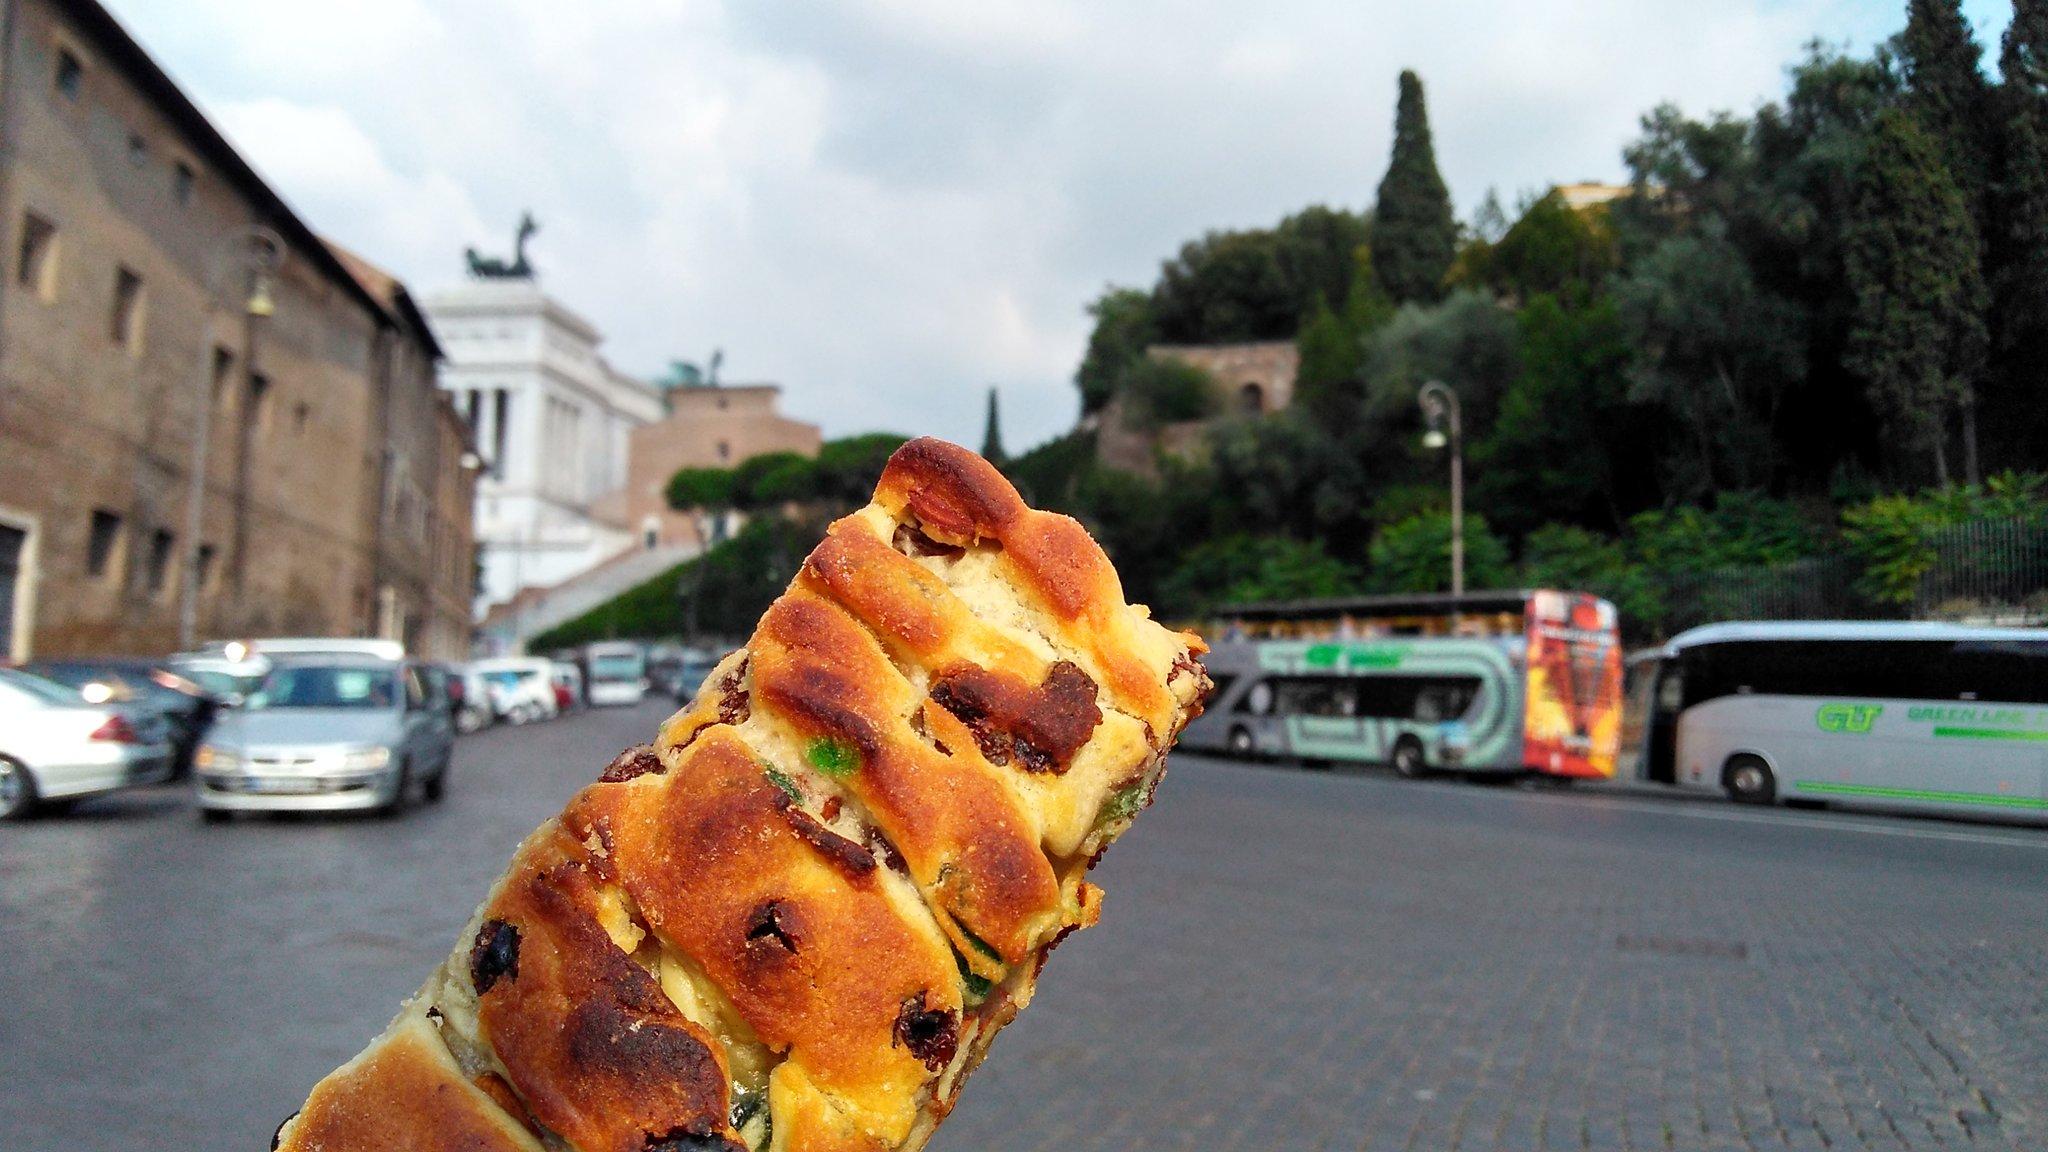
(1286, 960)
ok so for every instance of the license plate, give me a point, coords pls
(282, 785)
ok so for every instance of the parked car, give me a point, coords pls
(691, 672)
(473, 710)
(182, 702)
(326, 734)
(522, 688)
(56, 747)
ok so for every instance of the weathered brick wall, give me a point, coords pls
(87, 423)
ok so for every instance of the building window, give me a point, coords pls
(38, 258)
(100, 546)
(501, 420)
(70, 74)
(125, 323)
(473, 400)
(160, 544)
(1251, 399)
(138, 149)
(205, 573)
(257, 410)
(183, 179)
(223, 371)
(724, 450)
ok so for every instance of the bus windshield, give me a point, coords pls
(617, 667)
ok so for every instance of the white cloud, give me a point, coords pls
(888, 205)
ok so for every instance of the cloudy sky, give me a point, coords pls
(890, 206)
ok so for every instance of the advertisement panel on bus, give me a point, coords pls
(1572, 723)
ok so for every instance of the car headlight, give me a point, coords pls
(366, 759)
(212, 759)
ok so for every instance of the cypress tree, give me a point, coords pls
(2020, 242)
(1917, 336)
(1948, 93)
(992, 435)
(1414, 235)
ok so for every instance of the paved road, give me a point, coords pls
(1287, 961)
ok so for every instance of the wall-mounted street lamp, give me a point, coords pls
(261, 256)
(1445, 429)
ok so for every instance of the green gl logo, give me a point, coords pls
(1847, 717)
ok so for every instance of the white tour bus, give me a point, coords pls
(1932, 717)
(614, 672)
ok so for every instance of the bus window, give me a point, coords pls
(1443, 700)
(1317, 697)
(1258, 701)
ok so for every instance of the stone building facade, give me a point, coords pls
(159, 305)
(1251, 379)
(708, 427)
(552, 421)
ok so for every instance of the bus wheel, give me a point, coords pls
(1749, 781)
(1241, 745)
(1408, 759)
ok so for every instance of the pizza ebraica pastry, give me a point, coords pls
(796, 921)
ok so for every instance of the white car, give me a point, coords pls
(522, 688)
(55, 746)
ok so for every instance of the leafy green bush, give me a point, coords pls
(1894, 537)
(1414, 555)
(1241, 568)
(721, 594)
(1158, 392)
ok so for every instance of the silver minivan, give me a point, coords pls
(326, 734)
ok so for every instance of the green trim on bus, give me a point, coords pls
(1991, 733)
(1927, 795)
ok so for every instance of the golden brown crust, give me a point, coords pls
(808, 949)
(404, 1093)
(587, 1038)
(969, 843)
(795, 922)
(957, 497)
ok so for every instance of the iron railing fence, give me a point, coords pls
(1991, 571)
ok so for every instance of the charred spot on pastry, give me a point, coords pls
(696, 1136)
(920, 725)
(732, 695)
(931, 1034)
(277, 1137)
(631, 763)
(1040, 728)
(774, 923)
(849, 857)
(910, 539)
(434, 1015)
(494, 955)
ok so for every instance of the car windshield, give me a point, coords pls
(47, 691)
(327, 686)
(616, 667)
(505, 678)
(223, 683)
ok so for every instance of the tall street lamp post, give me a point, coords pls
(1440, 413)
(263, 254)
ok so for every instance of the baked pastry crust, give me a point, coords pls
(797, 920)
